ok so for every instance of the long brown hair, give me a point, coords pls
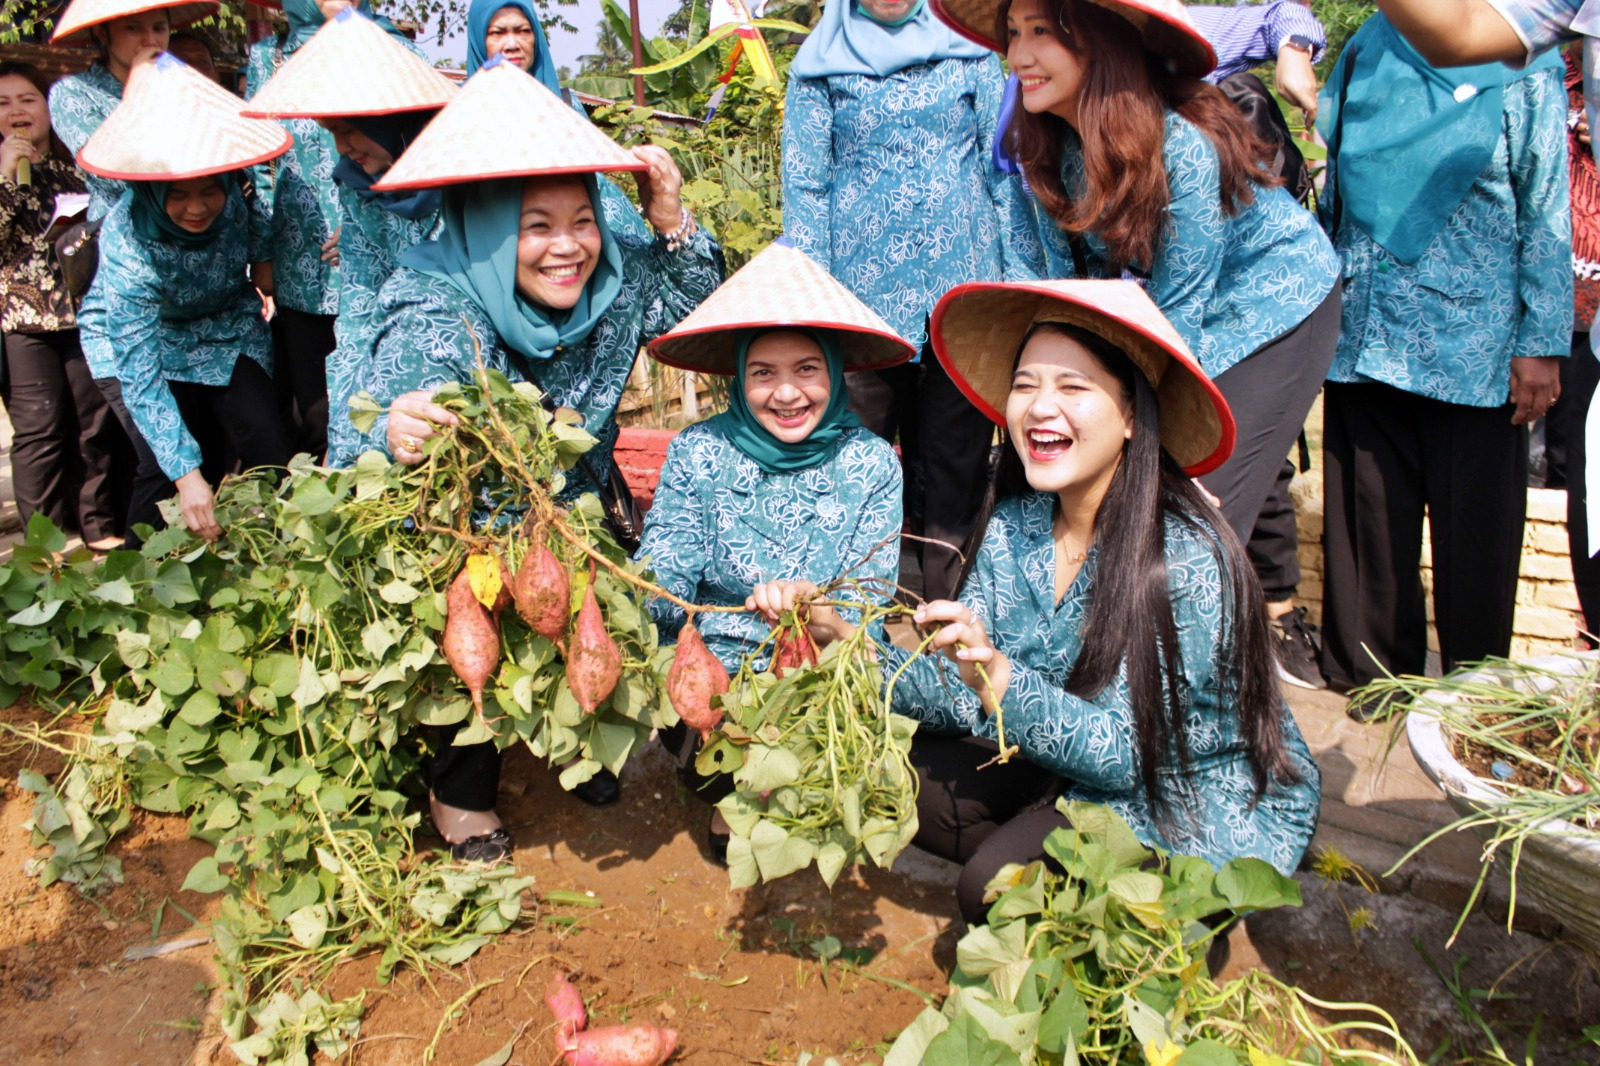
(36, 77)
(1126, 92)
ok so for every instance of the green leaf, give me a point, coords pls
(37, 614)
(767, 768)
(987, 948)
(911, 1046)
(278, 673)
(200, 708)
(1207, 1053)
(501, 1057)
(309, 925)
(1067, 1018)
(172, 674)
(205, 876)
(398, 592)
(965, 1043)
(1253, 884)
(313, 497)
(777, 852)
(118, 591)
(125, 717)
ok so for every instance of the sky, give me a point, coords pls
(567, 47)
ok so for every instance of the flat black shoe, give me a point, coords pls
(717, 844)
(490, 849)
(601, 790)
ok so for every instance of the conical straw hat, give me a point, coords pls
(73, 26)
(782, 286)
(174, 123)
(1164, 25)
(351, 66)
(504, 124)
(977, 330)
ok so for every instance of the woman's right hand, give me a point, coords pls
(961, 636)
(412, 420)
(198, 505)
(14, 149)
(771, 599)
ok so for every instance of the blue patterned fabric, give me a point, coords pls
(1091, 743)
(1247, 35)
(888, 183)
(1495, 284)
(305, 204)
(850, 40)
(1543, 24)
(720, 525)
(176, 314)
(1228, 284)
(371, 242)
(421, 342)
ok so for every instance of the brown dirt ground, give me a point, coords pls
(672, 944)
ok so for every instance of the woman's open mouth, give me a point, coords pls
(1046, 447)
(790, 417)
(567, 274)
(1030, 84)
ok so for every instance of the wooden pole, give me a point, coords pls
(638, 52)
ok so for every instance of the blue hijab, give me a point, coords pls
(305, 19)
(848, 41)
(747, 433)
(147, 211)
(477, 253)
(1409, 139)
(394, 133)
(481, 13)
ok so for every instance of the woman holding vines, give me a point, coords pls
(127, 35)
(889, 183)
(192, 351)
(565, 305)
(1244, 273)
(786, 483)
(1110, 628)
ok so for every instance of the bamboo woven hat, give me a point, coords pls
(781, 286)
(977, 330)
(504, 124)
(140, 141)
(1164, 25)
(74, 25)
(351, 66)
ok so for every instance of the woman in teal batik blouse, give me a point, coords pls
(889, 183)
(1113, 611)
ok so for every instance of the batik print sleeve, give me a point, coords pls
(1188, 261)
(1536, 108)
(1021, 255)
(674, 544)
(808, 169)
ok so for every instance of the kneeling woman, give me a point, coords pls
(1112, 610)
(192, 350)
(527, 272)
(786, 483)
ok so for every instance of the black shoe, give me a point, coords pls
(1367, 707)
(717, 844)
(1298, 643)
(601, 790)
(490, 849)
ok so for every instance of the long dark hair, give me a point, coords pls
(37, 79)
(1122, 107)
(1130, 614)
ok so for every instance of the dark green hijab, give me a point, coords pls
(148, 213)
(774, 456)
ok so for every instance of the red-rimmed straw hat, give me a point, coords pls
(781, 286)
(1164, 25)
(504, 124)
(351, 66)
(977, 330)
(174, 123)
(73, 27)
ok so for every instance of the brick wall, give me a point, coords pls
(1547, 618)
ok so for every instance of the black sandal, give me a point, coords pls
(490, 849)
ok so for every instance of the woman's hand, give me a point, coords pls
(771, 599)
(198, 505)
(659, 188)
(330, 248)
(14, 149)
(412, 418)
(962, 637)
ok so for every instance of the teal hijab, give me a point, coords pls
(1409, 139)
(849, 41)
(477, 253)
(305, 19)
(481, 13)
(148, 213)
(774, 456)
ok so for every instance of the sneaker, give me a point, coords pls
(490, 849)
(1366, 707)
(1298, 644)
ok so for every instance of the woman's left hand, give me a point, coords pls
(659, 188)
(962, 637)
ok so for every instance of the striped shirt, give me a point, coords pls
(1247, 35)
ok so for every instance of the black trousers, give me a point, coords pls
(1387, 456)
(468, 777)
(302, 343)
(1274, 545)
(1270, 392)
(148, 485)
(1579, 375)
(66, 441)
(944, 443)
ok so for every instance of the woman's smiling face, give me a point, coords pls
(787, 385)
(196, 203)
(1067, 415)
(1049, 73)
(559, 242)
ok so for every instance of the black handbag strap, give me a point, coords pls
(1337, 146)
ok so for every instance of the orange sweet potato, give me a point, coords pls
(694, 680)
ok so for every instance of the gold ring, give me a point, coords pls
(410, 443)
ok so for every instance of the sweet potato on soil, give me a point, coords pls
(622, 1045)
(567, 1005)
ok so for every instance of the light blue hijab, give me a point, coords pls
(848, 41)
(747, 433)
(477, 253)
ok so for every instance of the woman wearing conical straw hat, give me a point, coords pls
(192, 351)
(375, 95)
(305, 228)
(786, 482)
(528, 273)
(1110, 607)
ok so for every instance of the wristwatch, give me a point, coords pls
(1299, 42)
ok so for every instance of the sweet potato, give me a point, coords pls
(594, 662)
(567, 1005)
(793, 650)
(502, 599)
(543, 592)
(622, 1045)
(695, 679)
(471, 642)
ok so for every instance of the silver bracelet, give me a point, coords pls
(680, 236)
